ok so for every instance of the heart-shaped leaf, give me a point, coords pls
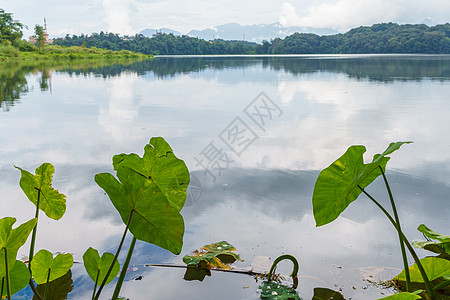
(97, 266)
(338, 185)
(57, 289)
(217, 255)
(158, 166)
(153, 220)
(44, 264)
(19, 278)
(12, 240)
(51, 202)
(434, 268)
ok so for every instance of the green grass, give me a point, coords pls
(55, 52)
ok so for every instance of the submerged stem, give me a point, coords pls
(124, 269)
(115, 257)
(407, 244)
(399, 231)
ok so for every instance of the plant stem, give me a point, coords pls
(33, 236)
(8, 287)
(95, 284)
(115, 257)
(408, 245)
(124, 269)
(46, 285)
(1, 290)
(399, 231)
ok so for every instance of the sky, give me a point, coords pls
(132, 16)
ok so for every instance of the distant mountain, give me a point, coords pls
(251, 33)
(151, 32)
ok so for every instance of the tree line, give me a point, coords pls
(378, 38)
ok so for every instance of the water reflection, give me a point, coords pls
(262, 202)
(382, 68)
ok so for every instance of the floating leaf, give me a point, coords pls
(43, 263)
(326, 294)
(402, 296)
(276, 291)
(442, 247)
(154, 220)
(51, 202)
(19, 278)
(218, 255)
(196, 273)
(97, 267)
(12, 240)
(58, 289)
(158, 166)
(337, 185)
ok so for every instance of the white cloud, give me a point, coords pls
(118, 13)
(345, 14)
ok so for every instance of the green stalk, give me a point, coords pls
(33, 236)
(399, 230)
(115, 257)
(124, 270)
(294, 271)
(46, 285)
(95, 284)
(1, 290)
(33, 241)
(408, 245)
(8, 287)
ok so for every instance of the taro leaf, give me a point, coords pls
(326, 294)
(97, 267)
(158, 166)
(218, 255)
(12, 240)
(337, 185)
(58, 289)
(43, 263)
(154, 220)
(51, 202)
(437, 270)
(276, 291)
(19, 278)
(402, 296)
(442, 247)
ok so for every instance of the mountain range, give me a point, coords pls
(234, 31)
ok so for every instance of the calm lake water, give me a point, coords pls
(311, 109)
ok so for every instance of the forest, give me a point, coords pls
(378, 38)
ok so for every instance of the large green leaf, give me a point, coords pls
(338, 185)
(442, 247)
(43, 263)
(97, 266)
(19, 278)
(12, 240)
(154, 220)
(51, 202)
(158, 166)
(434, 268)
(58, 289)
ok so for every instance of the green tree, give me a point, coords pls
(39, 33)
(10, 29)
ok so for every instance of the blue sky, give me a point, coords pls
(132, 16)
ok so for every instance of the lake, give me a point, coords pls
(298, 115)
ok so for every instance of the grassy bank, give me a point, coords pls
(55, 52)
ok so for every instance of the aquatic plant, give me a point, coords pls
(148, 194)
(344, 180)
